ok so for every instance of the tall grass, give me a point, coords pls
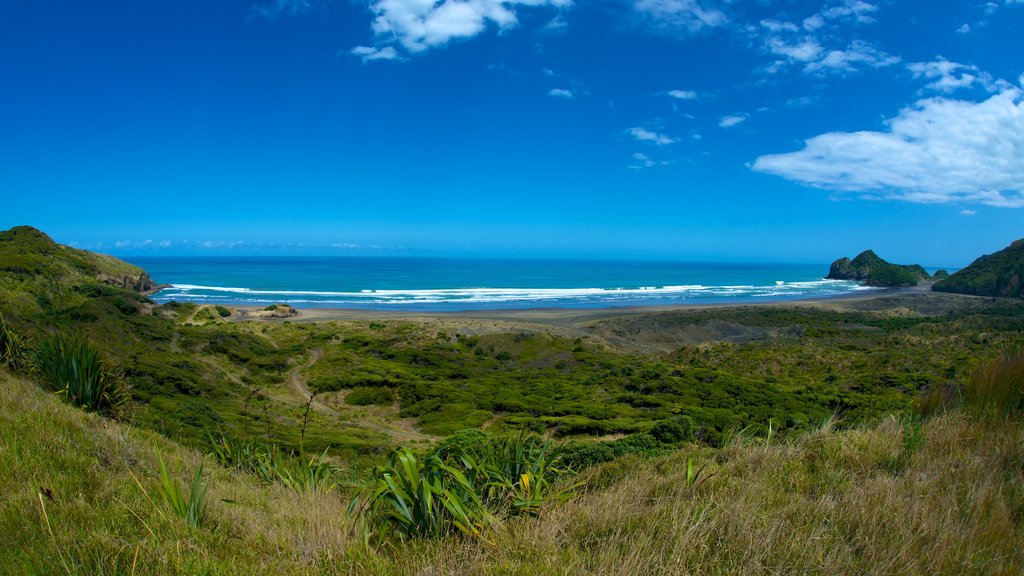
(270, 464)
(13, 354)
(996, 389)
(191, 507)
(73, 368)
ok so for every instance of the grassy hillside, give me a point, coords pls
(998, 274)
(82, 496)
(39, 276)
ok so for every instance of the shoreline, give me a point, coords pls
(556, 315)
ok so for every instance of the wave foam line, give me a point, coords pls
(780, 288)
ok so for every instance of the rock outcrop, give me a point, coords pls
(869, 268)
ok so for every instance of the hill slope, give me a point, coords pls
(869, 268)
(998, 274)
(887, 498)
(39, 275)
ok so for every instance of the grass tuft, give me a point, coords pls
(192, 507)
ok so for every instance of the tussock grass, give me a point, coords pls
(73, 368)
(828, 502)
(996, 389)
(191, 506)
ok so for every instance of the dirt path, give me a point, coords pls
(297, 384)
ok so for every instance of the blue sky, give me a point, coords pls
(776, 130)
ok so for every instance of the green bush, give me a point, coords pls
(470, 441)
(222, 311)
(367, 395)
(423, 498)
(580, 455)
(73, 368)
(672, 431)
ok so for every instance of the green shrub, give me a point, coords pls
(517, 475)
(423, 498)
(997, 388)
(73, 368)
(367, 395)
(470, 441)
(580, 455)
(222, 311)
(672, 431)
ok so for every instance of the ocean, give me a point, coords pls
(450, 284)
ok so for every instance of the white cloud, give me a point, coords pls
(732, 120)
(421, 24)
(938, 150)
(561, 93)
(556, 25)
(857, 55)
(683, 94)
(949, 76)
(814, 22)
(645, 135)
(370, 53)
(686, 15)
(214, 244)
(857, 10)
(968, 212)
(821, 44)
(777, 26)
(802, 50)
(964, 29)
(642, 161)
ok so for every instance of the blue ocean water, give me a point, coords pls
(439, 284)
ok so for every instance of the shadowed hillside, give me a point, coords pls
(998, 274)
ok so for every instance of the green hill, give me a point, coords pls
(999, 274)
(869, 268)
(39, 275)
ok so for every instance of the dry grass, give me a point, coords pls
(864, 501)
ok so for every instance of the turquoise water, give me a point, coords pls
(437, 284)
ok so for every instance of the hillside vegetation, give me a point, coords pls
(82, 496)
(998, 274)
